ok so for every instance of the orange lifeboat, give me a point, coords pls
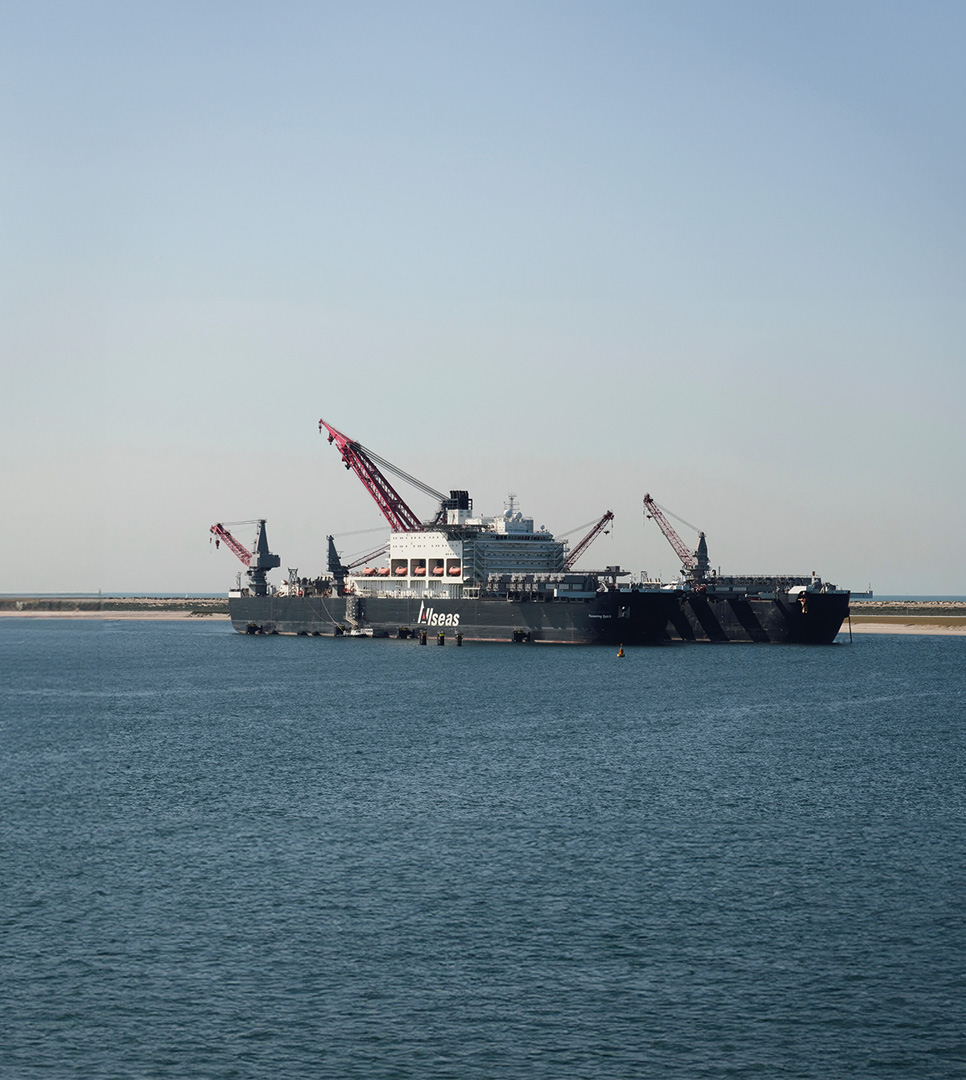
(368, 571)
(383, 571)
(438, 570)
(400, 571)
(420, 571)
(455, 571)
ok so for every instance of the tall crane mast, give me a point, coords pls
(588, 540)
(365, 464)
(695, 563)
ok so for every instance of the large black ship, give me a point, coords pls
(498, 578)
(606, 616)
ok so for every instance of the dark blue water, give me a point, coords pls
(236, 857)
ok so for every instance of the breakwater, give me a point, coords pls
(131, 605)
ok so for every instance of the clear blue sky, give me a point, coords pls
(575, 250)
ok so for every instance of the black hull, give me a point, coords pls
(610, 618)
(803, 619)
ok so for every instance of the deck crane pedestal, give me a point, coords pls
(340, 570)
(257, 562)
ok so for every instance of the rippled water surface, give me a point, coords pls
(236, 857)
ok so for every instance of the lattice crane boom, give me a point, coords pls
(368, 558)
(687, 557)
(362, 462)
(223, 536)
(588, 540)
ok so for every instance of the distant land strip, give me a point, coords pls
(117, 607)
(919, 608)
(906, 617)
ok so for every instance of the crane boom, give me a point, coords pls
(222, 535)
(688, 560)
(368, 557)
(588, 540)
(696, 563)
(362, 462)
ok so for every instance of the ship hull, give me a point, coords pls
(799, 619)
(609, 618)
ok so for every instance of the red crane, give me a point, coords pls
(365, 464)
(258, 562)
(588, 540)
(221, 534)
(695, 563)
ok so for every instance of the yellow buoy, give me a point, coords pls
(620, 651)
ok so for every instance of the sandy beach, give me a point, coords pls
(868, 625)
(906, 617)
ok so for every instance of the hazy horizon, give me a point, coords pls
(578, 252)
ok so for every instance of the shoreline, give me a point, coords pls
(115, 607)
(870, 625)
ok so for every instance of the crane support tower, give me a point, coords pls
(696, 564)
(584, 544)
(257, 562)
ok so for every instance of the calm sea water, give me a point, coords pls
(236, 857)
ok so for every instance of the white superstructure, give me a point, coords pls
(459, 557)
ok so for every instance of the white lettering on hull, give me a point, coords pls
(432, 617)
